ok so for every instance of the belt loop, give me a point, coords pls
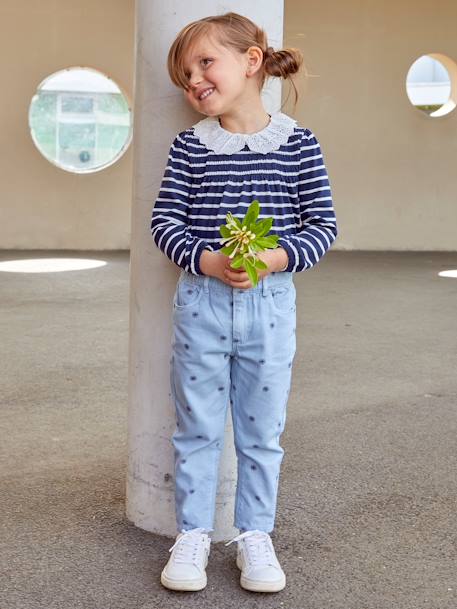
(205, 283)
(264, 285)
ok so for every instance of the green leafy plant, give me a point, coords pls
(244, 238)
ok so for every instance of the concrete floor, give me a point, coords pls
(367, 505)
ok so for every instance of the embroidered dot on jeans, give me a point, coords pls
(200, 437)
(193, 378)
(186, 346)
(192, 490)
(189, 408)
(183, 460)
(223, 337)
(189, 291)
(195, 314)
(265, 388)
(220, 389)
(253, 466)
(185, 522)
(236, 340)
(233, 386)
(272, 325)
(257, 497)
(255, 446)
(226, 355)
(261, 361)
(252, 418)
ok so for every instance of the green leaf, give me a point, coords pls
(260, 264)
(252, 273)
(263, 227)
(237, 262)
(254, 246)
(225, 231)
(268, 242)
(262, 242)
(252, 213)
(227, 250)
(237, 222)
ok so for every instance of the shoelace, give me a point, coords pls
(188, 544)
(259, 547)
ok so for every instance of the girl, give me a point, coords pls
(233, 341)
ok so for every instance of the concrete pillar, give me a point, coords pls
(160, 112)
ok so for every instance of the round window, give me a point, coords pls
(431, 84)
(80, 120)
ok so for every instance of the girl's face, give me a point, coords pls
(212, 66)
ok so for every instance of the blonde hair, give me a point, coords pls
(238, 33)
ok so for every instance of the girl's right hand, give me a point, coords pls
(214, 265)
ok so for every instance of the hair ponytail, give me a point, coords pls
(283, 63)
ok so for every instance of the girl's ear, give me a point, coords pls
(254, 59)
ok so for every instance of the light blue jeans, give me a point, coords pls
(230, 345)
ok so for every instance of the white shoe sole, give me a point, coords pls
(255, 585)
(183, 584)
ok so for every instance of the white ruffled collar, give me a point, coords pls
(211, 134)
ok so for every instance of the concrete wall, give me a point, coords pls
(391, 167)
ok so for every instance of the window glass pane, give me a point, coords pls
(429, 87)
(80, 120)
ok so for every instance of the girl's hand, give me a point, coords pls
(238, 278)
(215, 264)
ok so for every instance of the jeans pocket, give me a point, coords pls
(283, 298)
(187, 295)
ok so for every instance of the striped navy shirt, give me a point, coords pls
(200, 186)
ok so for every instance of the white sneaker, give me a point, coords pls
(260, 569)
(185, 569)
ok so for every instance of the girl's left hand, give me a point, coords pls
(238, 278)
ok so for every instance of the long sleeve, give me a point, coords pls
(169, 223)
(319, 230)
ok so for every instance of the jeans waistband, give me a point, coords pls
(264, 284)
